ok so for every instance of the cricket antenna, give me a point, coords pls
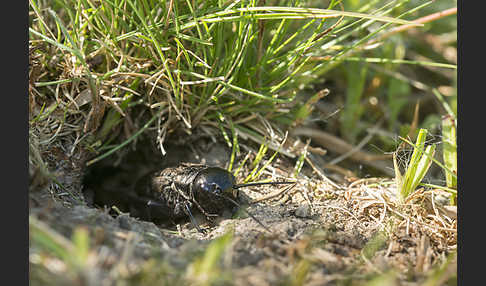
(237, 186)
(248, 213)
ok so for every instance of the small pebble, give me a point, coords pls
(303, 211)
(124, 222)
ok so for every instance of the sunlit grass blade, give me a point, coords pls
(269, 12)
(81, 243)
(418, 165)
(431, 158)
(300, 162)
(73, 252)
(124, 143)
(449, 190)
(449, 152)
(388, 61)
(44, 236)
(235, 147)
(444, 103)
(155, 42)
(423, 166)
(205, 270)
(255, 163)
(300, 272)
(269, 161)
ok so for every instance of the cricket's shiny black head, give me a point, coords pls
(214, 181)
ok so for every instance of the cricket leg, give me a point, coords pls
(193, 220)
(182, 194)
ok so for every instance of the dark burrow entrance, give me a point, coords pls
(111, 182)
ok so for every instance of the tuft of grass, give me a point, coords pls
(225, 65)
(416, 168)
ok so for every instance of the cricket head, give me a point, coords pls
(214, 181)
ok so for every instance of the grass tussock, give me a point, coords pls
(189, 64)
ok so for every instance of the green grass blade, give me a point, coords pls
(51, 240)
(272, 12)
(443, 102)
(118, 147)
(423, 166)
(417, 167)
(433, 159)
(393, 61)
(449, 152)
(205, 270)
(81, 246)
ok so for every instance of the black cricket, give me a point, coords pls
(175, 193)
